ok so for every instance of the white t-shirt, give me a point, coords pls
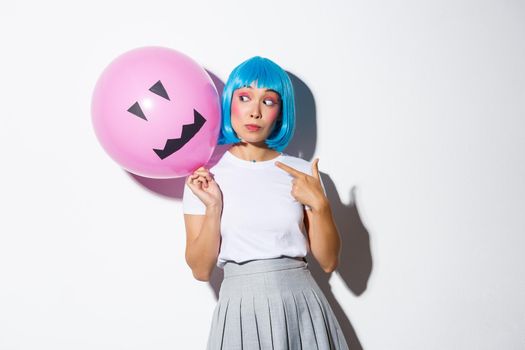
(260, 218)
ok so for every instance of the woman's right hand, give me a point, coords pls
(203, 185)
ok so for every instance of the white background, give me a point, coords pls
(415, 109)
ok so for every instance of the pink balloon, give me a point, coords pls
(156, 112)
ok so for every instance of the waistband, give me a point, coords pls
(232, 268)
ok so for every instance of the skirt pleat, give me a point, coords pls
(273, 304)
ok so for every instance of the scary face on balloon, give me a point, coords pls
(156, 113)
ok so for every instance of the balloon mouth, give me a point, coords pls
(188, 132)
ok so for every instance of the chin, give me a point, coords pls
(252, 140)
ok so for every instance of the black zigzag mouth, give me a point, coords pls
(188, 131)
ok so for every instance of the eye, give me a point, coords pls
(269, 102)
(136, 110)
(159, 89)
(243, 98)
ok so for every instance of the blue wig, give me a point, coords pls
(267, 75)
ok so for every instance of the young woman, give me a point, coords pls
(256, 213)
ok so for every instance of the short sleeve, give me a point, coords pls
(191, 204)
(322, 185)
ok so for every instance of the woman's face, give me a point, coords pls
(254, 112)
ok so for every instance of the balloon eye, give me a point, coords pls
(158, 89)
(136, 110)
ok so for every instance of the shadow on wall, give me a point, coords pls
(355, 265)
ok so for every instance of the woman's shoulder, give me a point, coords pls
(297, 163)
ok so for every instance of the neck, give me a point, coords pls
(252, 152)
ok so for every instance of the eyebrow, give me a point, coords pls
(266, 90)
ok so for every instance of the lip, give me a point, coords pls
(252, 127)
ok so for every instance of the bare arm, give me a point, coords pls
(203, 236)
(324, 238)
(203, 240)
(325, 242)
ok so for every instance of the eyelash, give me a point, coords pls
(242, 100)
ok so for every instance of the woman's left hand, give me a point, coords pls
(305, 188)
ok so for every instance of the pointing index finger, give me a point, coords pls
(288, 169)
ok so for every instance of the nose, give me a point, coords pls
(256, 113)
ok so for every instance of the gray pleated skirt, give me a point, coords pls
(273, 304)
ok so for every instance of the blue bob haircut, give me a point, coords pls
(267, 75)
